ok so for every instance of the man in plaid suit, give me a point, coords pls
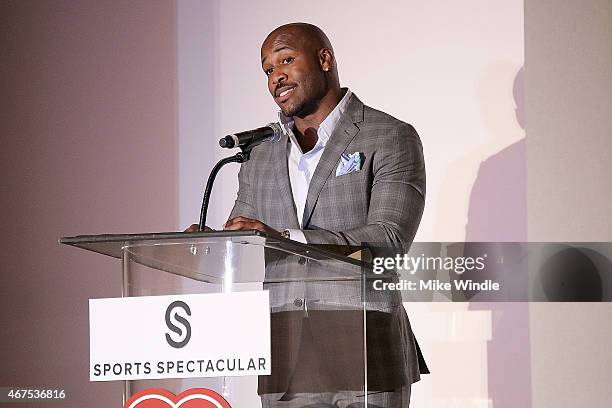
(344, 174)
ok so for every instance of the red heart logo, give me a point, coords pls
(160, 398)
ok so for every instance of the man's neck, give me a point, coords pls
(305, 129)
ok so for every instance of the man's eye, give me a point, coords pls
(269, 71)
(288, 60)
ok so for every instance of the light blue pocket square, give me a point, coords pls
(349, 163)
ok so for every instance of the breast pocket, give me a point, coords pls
(345, 199)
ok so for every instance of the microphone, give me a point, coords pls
(250, 138)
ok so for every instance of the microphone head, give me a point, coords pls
(227, 142)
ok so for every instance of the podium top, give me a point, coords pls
(207, 256)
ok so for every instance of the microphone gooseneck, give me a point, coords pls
(245, 141)
(239, 157)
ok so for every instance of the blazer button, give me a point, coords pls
(302, 260)
(298, 303)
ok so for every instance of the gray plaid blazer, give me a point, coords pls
(381, 203)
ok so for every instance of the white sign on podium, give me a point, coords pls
(181, 336)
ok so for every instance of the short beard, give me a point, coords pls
(303, 110)
(309, 107)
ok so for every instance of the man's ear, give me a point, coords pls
(326, 59)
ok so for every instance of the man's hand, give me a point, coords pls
(195, 227)
(243, 223)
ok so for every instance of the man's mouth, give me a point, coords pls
(283, 93)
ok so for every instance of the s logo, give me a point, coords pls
(183, 330)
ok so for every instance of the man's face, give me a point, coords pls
(295, 78)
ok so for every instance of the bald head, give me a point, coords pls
(308, 35)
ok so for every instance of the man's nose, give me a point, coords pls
(278, 76)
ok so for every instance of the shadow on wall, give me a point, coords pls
(496, 142)
(497, 211)
(498, 201)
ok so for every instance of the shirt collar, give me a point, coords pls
(326, 128)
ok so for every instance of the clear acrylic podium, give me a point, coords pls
(327, 333)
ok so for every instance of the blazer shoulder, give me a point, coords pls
(267, 152)
(386, 125)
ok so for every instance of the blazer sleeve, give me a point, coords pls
(397, 195)
(243, 206)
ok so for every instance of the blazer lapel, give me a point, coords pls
(281, 173)
(336, 145)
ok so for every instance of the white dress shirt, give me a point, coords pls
(302, 165)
